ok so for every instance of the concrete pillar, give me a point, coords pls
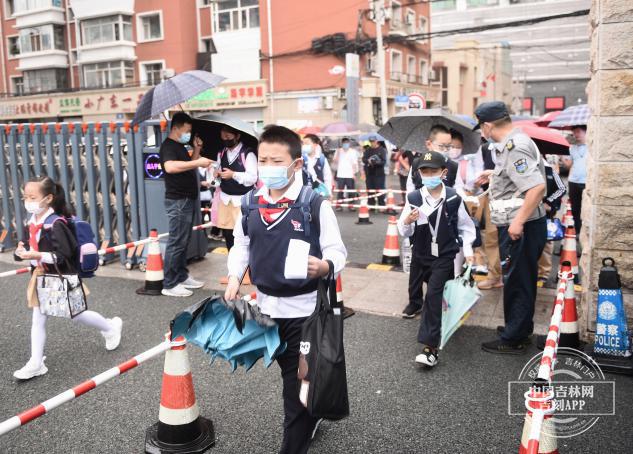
(607, 210)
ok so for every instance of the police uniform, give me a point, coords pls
(519, 167)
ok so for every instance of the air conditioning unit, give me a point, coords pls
(328, 102)
(168, 72)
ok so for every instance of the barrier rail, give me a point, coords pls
(72, 393)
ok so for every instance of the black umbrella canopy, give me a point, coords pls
(409, 129)
(208, 127)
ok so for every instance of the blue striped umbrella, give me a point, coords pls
(572, 116)
(174, 91)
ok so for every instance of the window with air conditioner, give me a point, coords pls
(150, 26)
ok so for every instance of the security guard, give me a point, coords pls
(517, 188)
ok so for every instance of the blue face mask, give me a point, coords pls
(432, 182)
(184, 138)
(306, 149)
(274, 177)
(346, 146)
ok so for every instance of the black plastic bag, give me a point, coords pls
(322, 377)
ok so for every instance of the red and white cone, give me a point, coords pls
(180, 428)
(568, 218)
(363, 212)
(569, 335)
(154, 268)
(539, 435)
(391, 251)
(391, 202)
(339, 290)
(568, 252)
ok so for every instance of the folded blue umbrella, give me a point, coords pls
(231, 330)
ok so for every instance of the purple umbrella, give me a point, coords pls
(174, 91)
(572, 116)
(338, 129)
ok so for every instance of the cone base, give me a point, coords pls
(612, 364)
(201, 444)
(149, 291)
(363, 221)
(386, 260)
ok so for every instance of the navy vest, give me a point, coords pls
(269, 243)
(448, 240)
(232, 187)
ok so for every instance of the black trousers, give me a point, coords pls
(298, 424)
(520, 274)
(575, 196)
(376, 182)
(435, 272)
(345, 183)
(416, 279)
(228, 238)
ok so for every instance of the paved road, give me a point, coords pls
(396, 407)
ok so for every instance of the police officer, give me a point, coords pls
(517, 188)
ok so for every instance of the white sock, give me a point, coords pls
(94, 320)
(38, 336)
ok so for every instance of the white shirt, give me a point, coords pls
(347, 163)
(327, 171)
(474, 167)
(332, 248)
(247, 178)
(47, 257)
(465, 225)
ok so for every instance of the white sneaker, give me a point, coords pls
(428, 357)
(31, 370)
(178, 291)
(113, 337)
(192, 283)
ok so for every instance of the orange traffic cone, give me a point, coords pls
(339, 290)
(568, 252)
(565, 267)
(363, 212)
(568, 218)
(153, 269)
(391, 203)
(180, 428)
(569, 335)
(391, 251)
(534, 439)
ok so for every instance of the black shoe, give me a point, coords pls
(411, 310)
(316, 428)
(503, 347)
(525, 341)
(347, 312)
(428, 357)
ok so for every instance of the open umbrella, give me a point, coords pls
(370, 136)
(231, 330)
(208, 127)
(174, 91)
(339, 129)
(546, 119)
(410, 128)
(309, 130)
(572, 116)
(367, 127)
(548, 141)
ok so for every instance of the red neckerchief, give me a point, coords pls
(33, 231)
(267, 213)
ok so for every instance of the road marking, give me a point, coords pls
(220, 250)
(379, 267)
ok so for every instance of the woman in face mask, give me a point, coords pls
(316, 169)
(237, 170)
(52, 248)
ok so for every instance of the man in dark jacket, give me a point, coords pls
(374, 159)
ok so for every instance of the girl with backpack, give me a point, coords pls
(52, 248)
(316, 169)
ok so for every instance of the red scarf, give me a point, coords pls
(33, 231)
(267, 213)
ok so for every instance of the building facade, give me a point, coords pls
(284, 61)
(550, 60)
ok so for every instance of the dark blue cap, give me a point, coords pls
(490, 111)
(431, 160)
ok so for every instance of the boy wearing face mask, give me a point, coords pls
(316, 169)
(238, 174)
(289, 238)
(438, 217)
(346, 159)
(181, 193)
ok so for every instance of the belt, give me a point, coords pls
(503, 205)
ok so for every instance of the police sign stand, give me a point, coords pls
(612, 345)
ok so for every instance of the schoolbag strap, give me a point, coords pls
(245, 207)
(415, 198)
(306, 197)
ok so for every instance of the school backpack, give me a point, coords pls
(87, 251)
(309, 202)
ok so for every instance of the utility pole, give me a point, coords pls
(379, 15)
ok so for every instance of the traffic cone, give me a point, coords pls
(568, 335)
(545, 440)
(339, 290)
(154, 268)
(568, 218)
(568, 252)
(391, 203)
(363, 212)
(391, 251)
(180, 428)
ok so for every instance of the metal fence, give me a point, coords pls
(100, 166)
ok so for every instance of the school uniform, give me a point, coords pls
(243, 162)
(317, 170)
(442, 228)
(262, 242)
